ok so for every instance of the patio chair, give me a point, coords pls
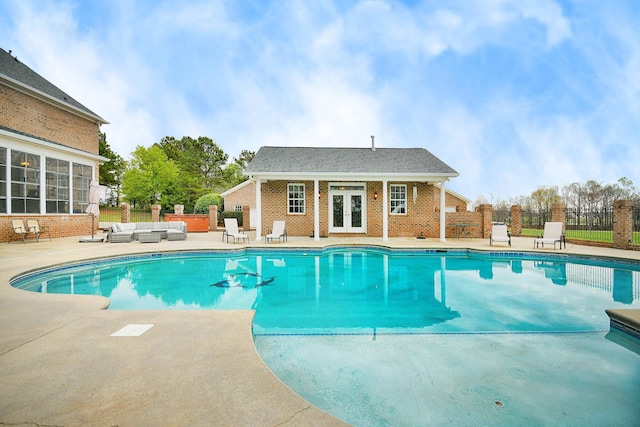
(231, 230)
(18, 229)
(35, 228)
(277, 232)
(499, 233)
(552, 234)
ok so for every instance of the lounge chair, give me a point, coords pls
(35, 228)
(552, 234)
(277, 232)
(499, 233)
(231, 230)
(18, 229)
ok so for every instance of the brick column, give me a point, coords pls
(213, 217)
(559, 214)
(246, 218)
(155, 213)
(622, 223)
(178, 209)
(516, 220)
(125, 213)
(487, 218)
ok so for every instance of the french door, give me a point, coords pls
(347, 209)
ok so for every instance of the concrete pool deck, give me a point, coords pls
(60, 364)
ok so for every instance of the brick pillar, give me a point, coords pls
(559, 214)
(516, 220)
(487, 218)
(622, 223)
(125, 213)
(213, 217)
(246, 218)
(178, 209)
(155, 213)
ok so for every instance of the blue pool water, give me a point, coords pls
(380, 337)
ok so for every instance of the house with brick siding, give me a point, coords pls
(49, 152)
(376, 192)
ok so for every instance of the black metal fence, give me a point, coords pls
(594, 224)
(503, 216)
(535, 219)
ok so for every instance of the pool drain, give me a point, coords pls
(498, 404)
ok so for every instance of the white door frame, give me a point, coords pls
(348, 189)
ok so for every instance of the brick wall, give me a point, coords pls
(242, 196)
(34, 117)
(420, 215)
(59, 225)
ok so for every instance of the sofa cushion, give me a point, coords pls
(144, 226)
(129, 226)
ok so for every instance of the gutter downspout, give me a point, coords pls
(259, 210)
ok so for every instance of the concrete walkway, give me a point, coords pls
(60, 364)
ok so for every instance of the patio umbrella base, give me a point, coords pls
(91, 239)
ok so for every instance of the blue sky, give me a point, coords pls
(511, 94)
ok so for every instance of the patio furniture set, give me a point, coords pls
(33, 228)
(147, 232)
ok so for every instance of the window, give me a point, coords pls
(237, 208)
(295, 198)
(3, 180)
(57, 179)
(25, 183)
(82, 176)
(398, 199)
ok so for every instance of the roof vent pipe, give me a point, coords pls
(373, 144)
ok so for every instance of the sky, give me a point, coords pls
(511, 94)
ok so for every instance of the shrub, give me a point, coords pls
(203, 203)
(233, 214)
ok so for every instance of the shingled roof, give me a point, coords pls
(290, 161)
(17, 75)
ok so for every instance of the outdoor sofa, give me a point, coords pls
(127, 232)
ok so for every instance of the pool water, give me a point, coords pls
(380, 337)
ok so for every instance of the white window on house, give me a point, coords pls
(82, 176)
(398, 199)
(3, 180)
(237, 208)
(295, 198)
(25, 183)
(57, 178)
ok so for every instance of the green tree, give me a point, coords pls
(544, 197)
(151, 178)
(200, 162)
(111, 172)
(244, 158)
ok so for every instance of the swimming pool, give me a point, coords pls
(397, 337)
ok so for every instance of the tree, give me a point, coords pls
(151, 178)
(111, 172)
(244, 158)
(544, 197)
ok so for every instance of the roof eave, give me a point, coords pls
(54, 146)
(353, 176)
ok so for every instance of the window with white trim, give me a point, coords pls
(3, 180)
(82, 176)
(25, 182)
(295, 198)
(57, 178)
(398, 199)
(237, 208)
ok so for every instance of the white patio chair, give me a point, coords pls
(35, 228)
(18, 229)
(231, 230)
(552, 234)
(277, 232)
(499, 233)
